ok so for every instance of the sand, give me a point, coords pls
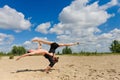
(68, 68)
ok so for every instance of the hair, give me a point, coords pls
(28, 51)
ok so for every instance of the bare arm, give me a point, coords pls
(70, 44)
(42, 41)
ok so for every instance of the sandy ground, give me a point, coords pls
(68, 68)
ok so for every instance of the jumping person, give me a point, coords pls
(53, 47)
(43, 52)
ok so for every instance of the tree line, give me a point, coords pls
(115, 46)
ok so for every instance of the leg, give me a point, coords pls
(47, 69)
(24, 55)
(43, 41)
(56, 59)
(52, 63)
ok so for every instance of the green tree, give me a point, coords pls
(18, 50)
(14, 50)
(115, 47)
(67, 50)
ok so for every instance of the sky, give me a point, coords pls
(92, 23)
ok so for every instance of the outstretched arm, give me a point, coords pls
(70, 44)
(42, 41)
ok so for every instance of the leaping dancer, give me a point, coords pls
(53, 47)
(40, 51)
(49, 55)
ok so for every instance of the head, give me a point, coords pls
(29, 51)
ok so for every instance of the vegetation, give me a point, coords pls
(11, 57)
(67, 50)
(18, 50)
(115, 46)
(0, 56)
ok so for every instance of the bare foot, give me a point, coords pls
(56, 59)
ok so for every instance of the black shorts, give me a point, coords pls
(50, 58)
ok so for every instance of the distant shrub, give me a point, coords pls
(66, 50)
(11, 57)
(0, 56)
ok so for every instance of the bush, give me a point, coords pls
(11, 57)
(67, 50)
(0, 56)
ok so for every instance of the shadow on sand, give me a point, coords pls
(31, 70)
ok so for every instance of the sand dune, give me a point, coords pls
(68, 68)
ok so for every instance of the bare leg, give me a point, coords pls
(24, 55)
(47, 69)
(33, 52)
(42, 41)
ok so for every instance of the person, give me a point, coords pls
(40, 51)
(53, 47)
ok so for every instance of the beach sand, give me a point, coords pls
(68, 68)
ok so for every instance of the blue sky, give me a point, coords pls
(93, 23)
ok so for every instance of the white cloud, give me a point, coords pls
(29, 45)
(44, 38)
(6, 39)
(43, 28)
(118, 10)
(79, 22)
(13, 20)
(5, 42)
(34, 45)
(110, 4)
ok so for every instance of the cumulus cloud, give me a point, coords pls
(119, 10)
(34, 45)
(44, 38)
(29, 45)
(6, 39)
(110, 4)
(43, 28)
(79, 22)
(13, 20)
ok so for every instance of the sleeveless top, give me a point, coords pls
(53, 47)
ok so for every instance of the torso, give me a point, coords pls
(53, 47)
(41, 51)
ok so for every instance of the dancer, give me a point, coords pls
(43, 52)
(53, 47)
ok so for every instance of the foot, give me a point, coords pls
(56, 59)
(45, 70)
